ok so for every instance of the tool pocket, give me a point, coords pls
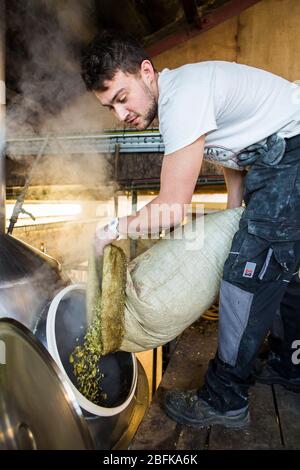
(279, 258)
(260, 251)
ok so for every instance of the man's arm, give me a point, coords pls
(235, 187)
(179, 174)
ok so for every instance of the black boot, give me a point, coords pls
(186, 407)
(268, 375)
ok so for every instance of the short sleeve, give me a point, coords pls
(186, 112)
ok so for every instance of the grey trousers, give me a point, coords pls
(260, 286)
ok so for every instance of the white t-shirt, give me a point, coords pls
(234, 105)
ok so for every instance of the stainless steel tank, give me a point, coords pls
(28, 280)
(37, 407)
(32, 292)
(61, 328)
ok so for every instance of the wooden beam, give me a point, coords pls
(208, 21)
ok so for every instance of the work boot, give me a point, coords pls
(268, 375)
(186, 407)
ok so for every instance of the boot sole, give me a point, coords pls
(278, 381)
(228, 422)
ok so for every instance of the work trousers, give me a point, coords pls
(260, 289)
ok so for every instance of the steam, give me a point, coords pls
(50, 35)
(51, 98)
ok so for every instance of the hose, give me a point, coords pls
(212, 313)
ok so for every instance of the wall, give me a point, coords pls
(68, 242)
(265, 36)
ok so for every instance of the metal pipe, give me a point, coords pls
(149, 141)
(18, 208)
(2, 117)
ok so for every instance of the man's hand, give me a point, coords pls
(103, 236)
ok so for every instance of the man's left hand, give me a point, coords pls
(103, 237)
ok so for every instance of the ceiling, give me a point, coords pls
(44, 40)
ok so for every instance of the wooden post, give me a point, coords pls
(116, 175)
(133, 242)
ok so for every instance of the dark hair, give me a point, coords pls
(106, 54)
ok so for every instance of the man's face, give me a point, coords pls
(131, 98)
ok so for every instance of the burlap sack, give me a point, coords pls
(171, 285)
(167, 288)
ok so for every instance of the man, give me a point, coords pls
(248, 121)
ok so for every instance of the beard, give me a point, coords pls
(151, 111)
(151, 114)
